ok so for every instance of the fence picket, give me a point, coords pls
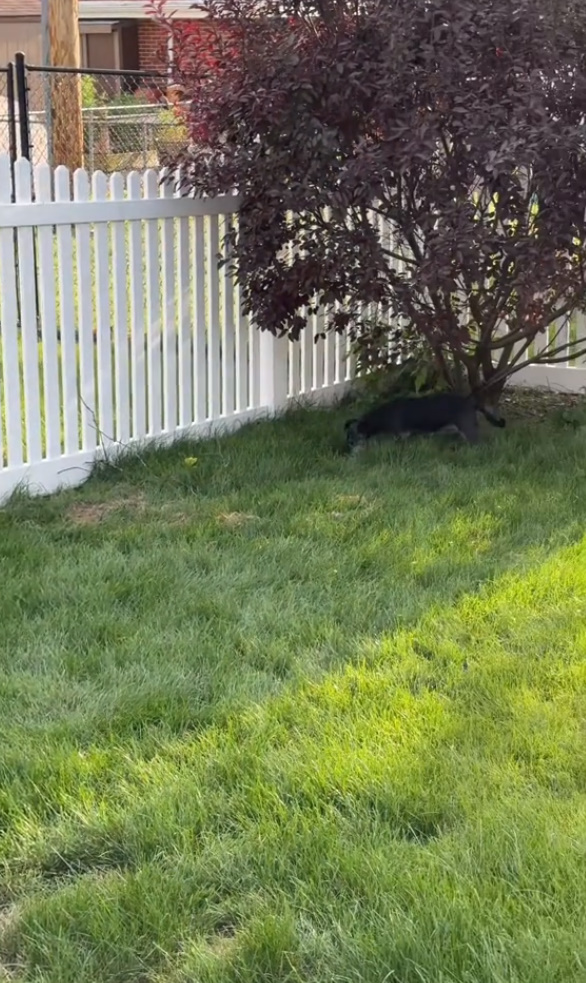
(319, 327)
(184, 321)
(254, 368)
(153, 297)
(199, 306)
(169, 328)
(48, 315)
(580, 336)
(85, 318)
(339, 352)
(294, 358)
(137, 339)
(349, 358)
(559, 336)
(9, 317)
(329, 352)
(120, 296)
(104, 339)
(228, 331)
(306, 382)
(241, 356)
(213, 325)
(67, 320)
(28, 316)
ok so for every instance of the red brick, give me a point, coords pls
(152, 41)
(152, 46)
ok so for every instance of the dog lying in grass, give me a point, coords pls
(411, 415)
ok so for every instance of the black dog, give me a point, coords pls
(418, 415)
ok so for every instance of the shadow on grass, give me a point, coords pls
(164, 594)
(419, 813)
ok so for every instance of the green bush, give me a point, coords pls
(89, 92)
(171, 128)
(393, 362)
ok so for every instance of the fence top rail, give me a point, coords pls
(112, 113)
(97, 199)
(132, 112)
(116, 72)
(32, 214)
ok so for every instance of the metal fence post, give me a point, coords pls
(13, 152)
(22, 99)
(10, 98)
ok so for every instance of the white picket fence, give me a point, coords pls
(116, 326)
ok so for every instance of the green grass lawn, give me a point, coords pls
(282, 715)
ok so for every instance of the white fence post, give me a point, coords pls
(274, 375)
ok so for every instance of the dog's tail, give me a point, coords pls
(495, 421)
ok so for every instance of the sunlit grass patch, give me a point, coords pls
(291, 716)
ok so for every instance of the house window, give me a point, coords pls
(100, 45)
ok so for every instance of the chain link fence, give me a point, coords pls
(7, 113)
(127, 120)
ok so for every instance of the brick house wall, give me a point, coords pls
(152, 42)
(152, 46)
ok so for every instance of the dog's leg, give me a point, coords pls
(468, 427)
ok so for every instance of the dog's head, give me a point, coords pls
(354, 436)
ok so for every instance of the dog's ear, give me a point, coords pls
(348, 424)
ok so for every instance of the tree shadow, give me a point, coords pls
(436, 782)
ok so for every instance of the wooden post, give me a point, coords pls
(66, 87)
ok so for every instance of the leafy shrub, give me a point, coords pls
(171, 130)
(393, 361)
(89, 92)
(459, 126)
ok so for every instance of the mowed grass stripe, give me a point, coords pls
(282, 715)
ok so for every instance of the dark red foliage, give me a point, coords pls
(459, 125)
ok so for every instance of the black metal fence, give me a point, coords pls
(127, 121)
(8, 140)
